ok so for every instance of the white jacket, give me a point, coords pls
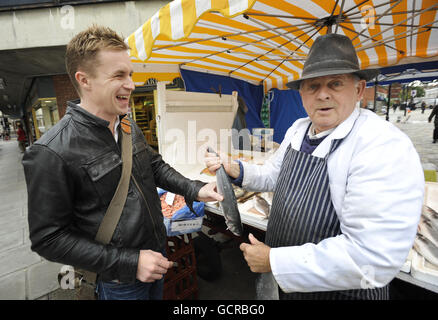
(377, 186)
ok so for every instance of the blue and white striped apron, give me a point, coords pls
(302, 212)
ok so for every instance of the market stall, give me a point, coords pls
(265, 43)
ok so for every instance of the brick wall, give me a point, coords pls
(64, 91)
(368, 96)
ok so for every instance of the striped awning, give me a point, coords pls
(145, 72)
(266, 41)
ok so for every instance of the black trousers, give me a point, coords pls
(435, 132)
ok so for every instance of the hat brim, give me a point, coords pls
(366, 74)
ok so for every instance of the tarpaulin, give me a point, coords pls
(286, 107)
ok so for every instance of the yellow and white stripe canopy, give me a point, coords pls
(266, 41)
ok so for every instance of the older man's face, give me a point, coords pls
(329, 100)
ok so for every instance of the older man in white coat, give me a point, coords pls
(348, 188)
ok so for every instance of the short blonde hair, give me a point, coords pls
(82, 50)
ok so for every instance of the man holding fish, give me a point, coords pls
(74, 173)
(348, 188)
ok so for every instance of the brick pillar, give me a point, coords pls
(64, 91)
(368, 96)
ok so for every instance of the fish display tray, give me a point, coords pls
(180, 281)
(422, 270)
(184, 221)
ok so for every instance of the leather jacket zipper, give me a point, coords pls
(147, 205)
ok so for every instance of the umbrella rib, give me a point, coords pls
(264, 46)
(396, 25)
(334, 8)
(388, 14)
(383, 4)
(280, 34)
(390, 24)
(255, 59)
(339, 16)
(280, 16)
(354, 31)
(281, 59)
(283, 44)
(328, 23)
(394, 38)
(378, 18)
(237, 47)
(351, 16)
(267, 54)
(399, 34)
(356, 6)
(223, 36)
(319, 29)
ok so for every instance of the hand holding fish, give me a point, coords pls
(209, 193)
(213, 162)
(256, 254)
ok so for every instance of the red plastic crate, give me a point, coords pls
(180, 281)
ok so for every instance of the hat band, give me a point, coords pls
(331, 65)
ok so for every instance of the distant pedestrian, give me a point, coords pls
(21, 138)
(434, 113)
(423, 106)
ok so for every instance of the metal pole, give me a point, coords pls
(375, 94)
(389, 102)
(405, 90)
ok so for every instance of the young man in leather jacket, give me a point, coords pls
(72, 173)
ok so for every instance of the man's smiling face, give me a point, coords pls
(111, 84)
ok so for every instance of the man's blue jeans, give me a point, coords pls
(130, 291)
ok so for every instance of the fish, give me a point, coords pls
(426, 230)
(238, 192)
(229, 203)
(431, 215)
(261, 205)
(207, 172)
(427, 249)
(268, 196)
(266, 287)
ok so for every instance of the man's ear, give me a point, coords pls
(360, 87)
(83, 80)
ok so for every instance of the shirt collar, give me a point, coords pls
(313, 135)
(116, 132)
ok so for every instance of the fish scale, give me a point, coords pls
(229, 204)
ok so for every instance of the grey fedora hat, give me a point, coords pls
(332, 54)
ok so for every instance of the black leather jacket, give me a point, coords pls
(72, 173)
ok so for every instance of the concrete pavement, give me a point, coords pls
(25, 275)
(416, 126)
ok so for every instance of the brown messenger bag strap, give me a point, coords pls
(114, 211)
(115, 208)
